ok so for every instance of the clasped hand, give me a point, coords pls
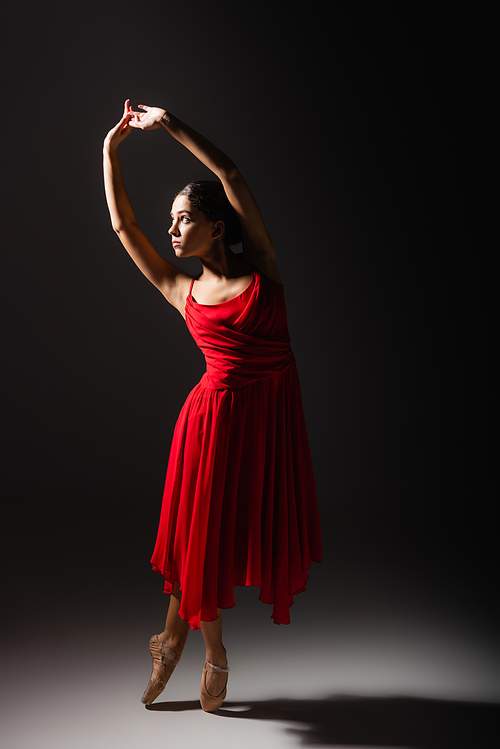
(149, 119)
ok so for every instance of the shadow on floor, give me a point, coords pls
(408, 722)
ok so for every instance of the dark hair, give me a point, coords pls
(209, 198)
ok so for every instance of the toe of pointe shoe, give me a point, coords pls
(163, 657)
(208, 702)
(152, 692)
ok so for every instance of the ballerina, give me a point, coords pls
(239, 506)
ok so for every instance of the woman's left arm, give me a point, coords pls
(258, 248)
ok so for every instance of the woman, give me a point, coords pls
(239, 506)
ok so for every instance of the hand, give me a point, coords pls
(147, 120)
(118, 133)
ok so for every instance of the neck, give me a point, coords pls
(221, 263)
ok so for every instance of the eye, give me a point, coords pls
(185, 219)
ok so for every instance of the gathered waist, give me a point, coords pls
(233, 378)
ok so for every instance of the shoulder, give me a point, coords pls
(177, 290)
(268, 288)
(266, 264)
(269, 275)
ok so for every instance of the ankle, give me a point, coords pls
(217, 657)
(172, 641)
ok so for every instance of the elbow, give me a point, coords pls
(230, 172)
(121, 227)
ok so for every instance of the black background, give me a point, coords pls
(353, 123)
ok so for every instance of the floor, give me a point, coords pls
(378, 684)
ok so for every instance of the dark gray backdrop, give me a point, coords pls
(347, 121)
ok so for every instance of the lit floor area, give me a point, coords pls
(391, 683)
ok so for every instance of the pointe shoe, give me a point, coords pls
(167, 659)
(209, 703)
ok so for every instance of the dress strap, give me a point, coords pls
(195, 278)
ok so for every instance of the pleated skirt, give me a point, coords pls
(239, 506)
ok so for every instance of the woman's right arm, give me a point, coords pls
(168, 279)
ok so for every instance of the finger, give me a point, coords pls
(125, 129)
(124, 122)
(143, 106)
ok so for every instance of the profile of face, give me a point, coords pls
(192, 233)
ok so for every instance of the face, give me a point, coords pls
(191, 232)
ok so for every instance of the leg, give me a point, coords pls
(214, 681)
(166, 649)
(176, 629)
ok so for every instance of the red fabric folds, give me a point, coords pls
(239, 506)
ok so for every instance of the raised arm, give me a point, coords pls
(167, 278)
(258, 248)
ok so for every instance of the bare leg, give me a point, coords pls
(215, 653)
(176, 629)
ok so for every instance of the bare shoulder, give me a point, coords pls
(263, 258)
(270, 270)
(176, 289)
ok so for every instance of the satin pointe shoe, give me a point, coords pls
(208, 702)
(164, 661)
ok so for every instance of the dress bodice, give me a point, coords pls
(243, 339)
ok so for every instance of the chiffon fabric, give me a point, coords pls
(239, 506)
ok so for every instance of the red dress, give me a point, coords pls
(239, 506)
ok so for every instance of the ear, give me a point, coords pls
(218, 230)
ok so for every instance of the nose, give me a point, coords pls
(173, 231)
